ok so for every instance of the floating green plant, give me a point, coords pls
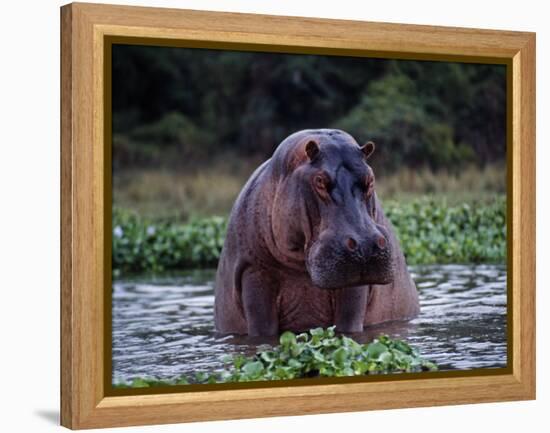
(317, 353)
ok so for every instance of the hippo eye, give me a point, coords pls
(320, 182)
(369, 186)
(372, 209)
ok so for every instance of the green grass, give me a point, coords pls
(189, 193)
(430, 231)
(467, 185)
(317, 353)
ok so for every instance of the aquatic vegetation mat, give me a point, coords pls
(317, 353)
(430, 231)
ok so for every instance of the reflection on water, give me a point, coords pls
(163, 327)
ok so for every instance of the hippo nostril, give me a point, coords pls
(351, 244)
(381, 242)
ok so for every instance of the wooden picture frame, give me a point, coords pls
(87, 31)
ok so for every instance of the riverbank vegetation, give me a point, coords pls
(317, 353)
(430, 231)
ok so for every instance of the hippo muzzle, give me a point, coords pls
(337, 260)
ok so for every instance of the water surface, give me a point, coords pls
(163, 327)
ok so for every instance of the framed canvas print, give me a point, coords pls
(264, 215)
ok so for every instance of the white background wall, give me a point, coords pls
(29, 220)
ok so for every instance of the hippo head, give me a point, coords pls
(329, 212)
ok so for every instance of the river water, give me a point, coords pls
(163, 326)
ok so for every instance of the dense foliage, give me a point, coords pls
(141, 245)
(317, 353)
(432, 232)
(175, 107)
(429, 231)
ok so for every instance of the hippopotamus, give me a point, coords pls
(308, 244)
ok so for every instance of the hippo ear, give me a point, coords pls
(312, 149)
(367, 149)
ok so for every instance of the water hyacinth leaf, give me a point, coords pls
(296, 349)
(359, 367)
(375, 349)
(303, 337)
(353, 345)
(318, 356)
(428, 365)
(253, 369)
(317, 332)
(201, 376)
(287, 339)
(403, 358)
(239, 361)
(385, 357)
(331, 342)
(372, 367)
(326, 370)
(283, 373)
(182, 381)
(329, 333)
(315, 341)
(295, 364)
(402, 346)
(139, 383)
(340, 355)
(346, 371)
(268, 356)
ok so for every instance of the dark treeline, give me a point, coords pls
(177, 107)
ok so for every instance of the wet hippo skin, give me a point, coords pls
(308, 244)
